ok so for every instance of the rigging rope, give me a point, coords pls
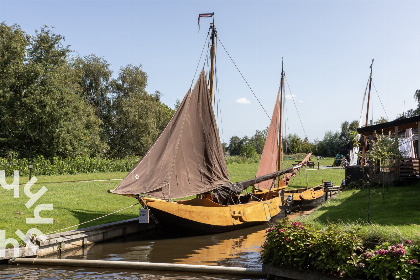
(300, 120)
(61, 230)
(380, 100)
(243, 77)
(198, 64)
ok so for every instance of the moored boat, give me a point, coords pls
(187, 160)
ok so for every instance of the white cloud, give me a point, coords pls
(243, 101)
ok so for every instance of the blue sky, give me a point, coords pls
(327, 47)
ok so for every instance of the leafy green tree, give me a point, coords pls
(258, 140)
(94, 77)
(45, 112)
(307, 146)
(346, 131)
(292, 144)
(381, 120)
(235, 146)
(248, 150)
(13, 44)
(385, 149)
(330, 145)
(138, 116)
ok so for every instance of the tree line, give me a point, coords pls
(58, 105)
(334, 142)
(54, 104)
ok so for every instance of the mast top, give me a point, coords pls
(212, 50)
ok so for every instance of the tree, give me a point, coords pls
(248, 150)
(94, 80)
(138, 116)
(292, 144)
(235, 146)
(346, 131)
(45, 113)
(381, 120)
(258, 140)
(385, 149)
(330, 145)
(13, 44)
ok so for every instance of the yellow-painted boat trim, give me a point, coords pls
(203, 210)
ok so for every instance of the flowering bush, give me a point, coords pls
(334, 251)
(389, 261)
(289, 244)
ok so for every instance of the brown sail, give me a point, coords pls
(187, 158)
(269, 155)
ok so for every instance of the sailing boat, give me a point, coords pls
(187, 160)
(271, 160)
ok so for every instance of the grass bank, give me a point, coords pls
(78, 198)
(390, 214)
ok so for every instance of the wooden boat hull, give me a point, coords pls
(203, 216)
(306, 197)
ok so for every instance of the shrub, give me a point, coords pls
(289, 244)
(389, 261)
(339, 252)
(68, 166)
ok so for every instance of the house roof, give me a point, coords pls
(402, 124)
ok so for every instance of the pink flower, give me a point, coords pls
(408, 241)
(287, 239)
(368, 255)
(382, 252)
(400, 252)
(392, 248)
(282, 230)
(376, 253)
(413, 261)
(400, 246)
(269, 230)
(296, 224)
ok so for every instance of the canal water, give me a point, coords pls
(239, 248)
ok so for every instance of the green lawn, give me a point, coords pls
(73, 203)
(76, 201)
(390, 214)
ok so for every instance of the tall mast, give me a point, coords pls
(367, 115)
(281, 116)
(213, 35)
(213, 55)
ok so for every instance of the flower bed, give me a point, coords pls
(337, 252)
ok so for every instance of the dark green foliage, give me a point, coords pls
(52, 105)
(68, 166)
(388, 261)
(338, 252)
(138, 117)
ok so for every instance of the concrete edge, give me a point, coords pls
(59, 242)
(141, 266)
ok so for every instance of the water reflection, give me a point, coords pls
(237, 248)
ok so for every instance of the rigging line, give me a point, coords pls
(198, 64)
(380, 100)
(243, 77)
(300, 120)
(61, 230)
